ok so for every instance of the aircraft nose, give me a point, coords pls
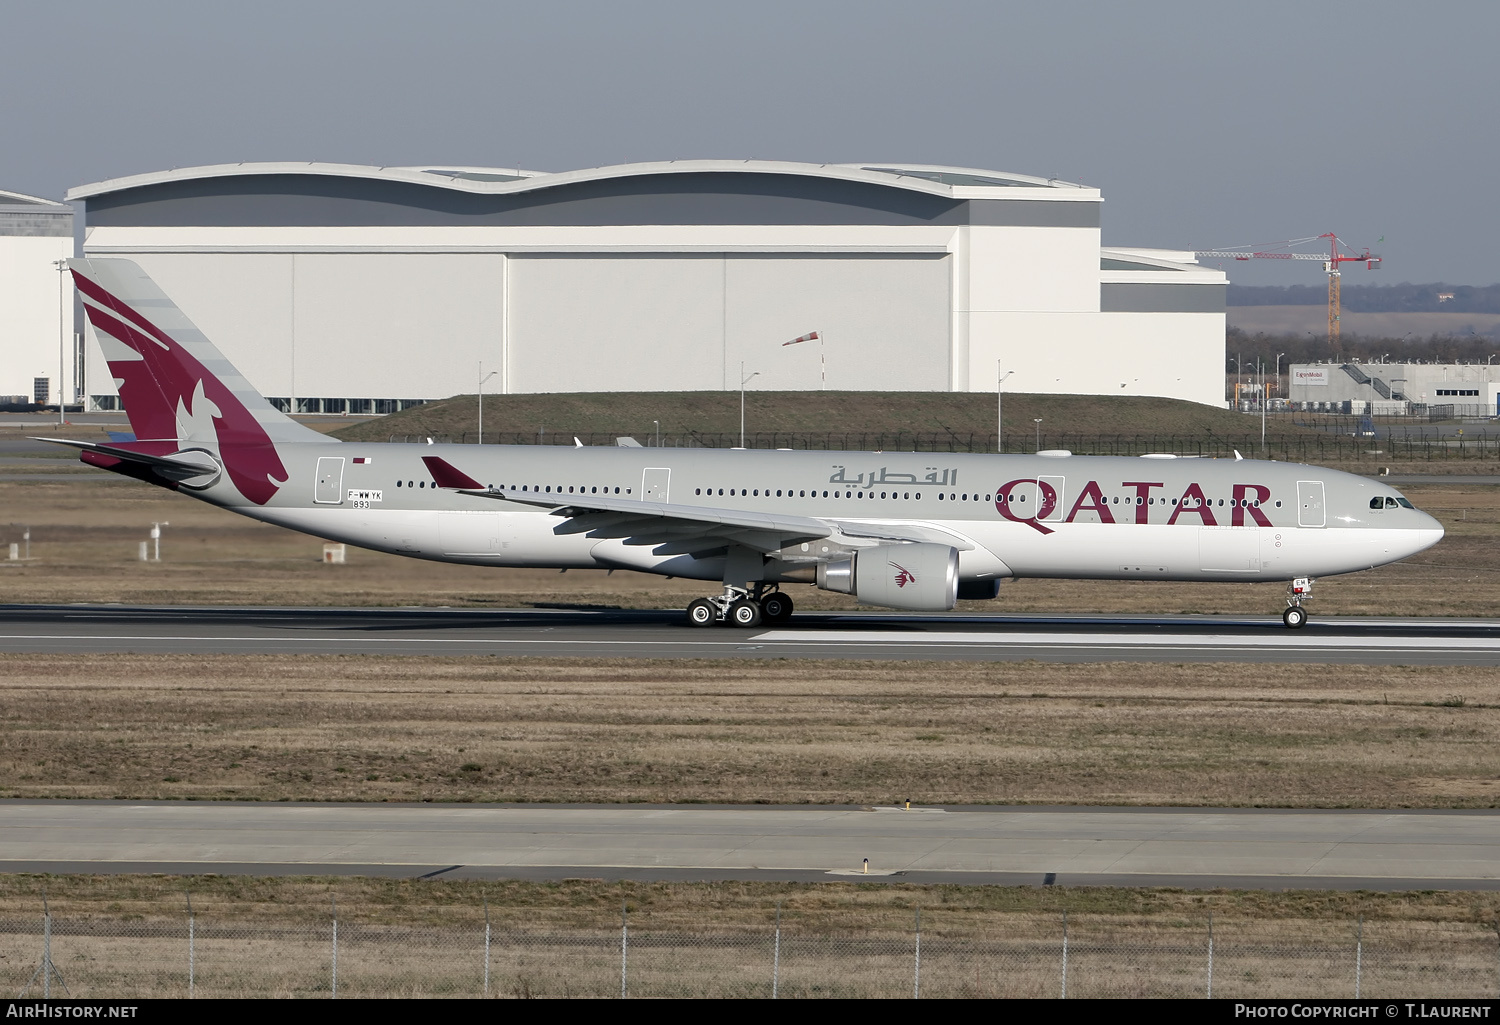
(1428, 532)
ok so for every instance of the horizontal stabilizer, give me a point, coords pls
(175, 466)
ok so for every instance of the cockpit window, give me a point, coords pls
(1404, 503)
(1377, 503)
(1391, 503)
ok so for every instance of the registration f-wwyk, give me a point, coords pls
(902, 530)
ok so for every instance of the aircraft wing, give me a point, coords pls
(670, 528)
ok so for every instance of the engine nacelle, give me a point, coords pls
(920, 577)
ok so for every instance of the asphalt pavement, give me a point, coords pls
(626, 633)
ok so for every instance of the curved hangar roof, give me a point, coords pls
(670, 192)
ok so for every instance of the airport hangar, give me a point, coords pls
(38, 356)
(351, 288)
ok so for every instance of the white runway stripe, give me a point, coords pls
(1113, 640)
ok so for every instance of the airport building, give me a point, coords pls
(1395, 388)
(337, 287)
(39, 354)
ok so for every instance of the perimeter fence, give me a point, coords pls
(240, 950)
(1411, 446)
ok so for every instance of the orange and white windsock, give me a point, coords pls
(811, 336)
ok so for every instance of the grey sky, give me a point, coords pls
(1205, 124)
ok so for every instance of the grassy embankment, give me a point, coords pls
(840, 412)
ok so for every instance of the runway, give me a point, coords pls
(1016, 846)
(617, 633)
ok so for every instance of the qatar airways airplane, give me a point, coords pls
(905, 530)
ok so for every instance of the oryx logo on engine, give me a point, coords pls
(903, 575)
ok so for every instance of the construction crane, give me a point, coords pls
(1331, 264)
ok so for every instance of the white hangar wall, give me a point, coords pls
(35, 320)
(338, 325)
(331, 282)
(685, 323)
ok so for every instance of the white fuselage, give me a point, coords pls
(1025, 516)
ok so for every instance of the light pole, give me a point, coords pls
(999, 408)
(62, 332)
(1038, 422)
(1263, 394)
(483, 377)
(656, 425)
(744, 380)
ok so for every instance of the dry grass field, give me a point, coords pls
(368, 728)
(85, 535)
(738, 904)
(129, 937)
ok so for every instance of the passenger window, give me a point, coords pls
(398, 484)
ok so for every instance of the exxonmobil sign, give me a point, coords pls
(1314, 377)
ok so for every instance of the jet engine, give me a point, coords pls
(921, 577)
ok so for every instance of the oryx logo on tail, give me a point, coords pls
(171, 397)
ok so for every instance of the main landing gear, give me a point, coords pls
(739, 606)
(1295, 616)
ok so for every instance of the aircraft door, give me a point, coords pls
(656, 484)
(330, 485)
(1059, 511)
(1310, 508)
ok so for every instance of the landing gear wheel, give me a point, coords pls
(776, 607)
(702, 613)
(744, 613)
(1294, 617)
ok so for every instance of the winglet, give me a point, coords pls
(446, 475)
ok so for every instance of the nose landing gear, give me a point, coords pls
(742, 607)
(1295, 616)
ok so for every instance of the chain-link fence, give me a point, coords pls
(461, 951)
(1388, 446)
